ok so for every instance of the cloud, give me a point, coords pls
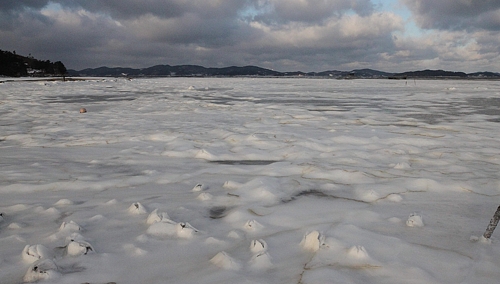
(285, 11)
(16, 5)
(59, 35)
(306, 35)
(449, 50)
(456, 14)
(131, 9)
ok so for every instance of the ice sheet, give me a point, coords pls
(392, 178)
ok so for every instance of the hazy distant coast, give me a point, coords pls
(14, 65)
(200, 71)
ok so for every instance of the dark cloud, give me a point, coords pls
(456, 15)
(307, 35)
(13, 5)
(130, 9)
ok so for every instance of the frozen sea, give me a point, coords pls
(249, 180)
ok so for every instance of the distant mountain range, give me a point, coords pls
(14, 65)
(200, 71)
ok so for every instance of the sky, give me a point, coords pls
(283, 35)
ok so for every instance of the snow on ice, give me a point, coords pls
(248, 180)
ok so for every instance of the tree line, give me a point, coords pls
(14, 65)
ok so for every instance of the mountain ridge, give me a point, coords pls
(250, 70)
(14, 65)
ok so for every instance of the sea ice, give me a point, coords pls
(325, 171)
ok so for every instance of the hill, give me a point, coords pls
(432, 74)
(14, 65)
(200, 71)
(179, 70)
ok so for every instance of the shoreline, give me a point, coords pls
(74, 79)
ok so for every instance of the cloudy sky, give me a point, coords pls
(284, 35)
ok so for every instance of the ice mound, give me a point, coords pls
(231, 185)
(266, 191)
(312, 241)
(395, 198)
(358, 257)
(63, 202)
(165, 228)
(14, 226)
(74, 237)
(335, 253)
(137, 208)
(204, 154)
(368, 195)
(133, 250)
(260, 261)
(358, 252)
(97, 218)
(264, 194)
(224, 261)
(200, 187)
(414, 221)
(480, 239)
(204, 196)
(52, 211)
(401, 166)
(33, 253)
(156, 217)
(169, 228)
(76, 245)
(66, 230)
(44, 269)
(111, 202)
(214, 242)
(70, 226)
(258, 246)
(425, 185)
(234, 235)
(77, 248)
(185, 230)
(252, 225)
(376, 192)
(16, 208)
